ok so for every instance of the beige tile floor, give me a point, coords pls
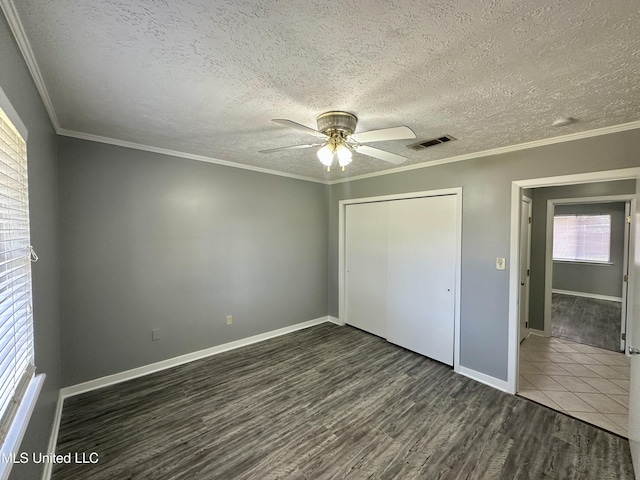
(586, 382)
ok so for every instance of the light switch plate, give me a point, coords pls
(501, 264)
(155, 334)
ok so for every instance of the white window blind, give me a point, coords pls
(582, 238)
(16, 319)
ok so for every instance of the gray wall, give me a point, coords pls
(538, 235)
(150, 241)
(605, 279)
(486, 186)
(17, 84)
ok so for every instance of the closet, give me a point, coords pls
(400, 272)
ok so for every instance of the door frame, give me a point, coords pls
(548, 272)
(628, 208)
(342, 205)
(514, 274)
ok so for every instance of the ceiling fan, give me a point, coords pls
(336, 138)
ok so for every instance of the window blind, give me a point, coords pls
(583, 238)
(16, 319)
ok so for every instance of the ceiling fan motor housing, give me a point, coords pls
(330, 123)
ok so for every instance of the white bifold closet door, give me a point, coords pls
(421, 275)
(400, 266)
(366, 267)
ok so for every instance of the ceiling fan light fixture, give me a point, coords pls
(336, 129)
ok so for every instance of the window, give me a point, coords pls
(582, 238)
(16, 319)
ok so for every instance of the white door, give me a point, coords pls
(366, 267)
(525, 266)
(421, 275)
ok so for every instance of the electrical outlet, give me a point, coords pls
(155, 334)
(229, 319)
(501, 263)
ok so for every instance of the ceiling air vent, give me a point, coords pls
(431, 143)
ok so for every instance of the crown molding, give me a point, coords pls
(189, 156)
(460, 158)
(497, 151)
(11, 14)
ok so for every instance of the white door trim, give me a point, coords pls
(514, 274)
(342, 204)
(548, 271)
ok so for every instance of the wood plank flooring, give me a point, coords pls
(590, 321)
(326, 402)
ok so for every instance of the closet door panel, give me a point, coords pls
(366, 267)
(421, 275)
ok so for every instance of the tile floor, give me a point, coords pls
(586, 382)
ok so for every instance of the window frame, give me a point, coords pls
(23, 410)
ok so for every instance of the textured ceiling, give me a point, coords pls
(205, 77)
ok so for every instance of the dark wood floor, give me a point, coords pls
(326, 402)
(590, 321)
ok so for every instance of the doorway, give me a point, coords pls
(575, 365)
(577, 368)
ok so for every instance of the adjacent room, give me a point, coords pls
(587, 236)
(260, 239)
(573, 358)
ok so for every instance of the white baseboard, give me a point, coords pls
(539, 333)
(587, 295)
(182, 359)
(53, 439)
(494, 382)
(335, 320)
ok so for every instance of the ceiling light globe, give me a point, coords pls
(325, 155)
(344, 156)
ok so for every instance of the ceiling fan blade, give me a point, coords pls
(380, 154)
(291, 147)
(393, 133)
(297, 126)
